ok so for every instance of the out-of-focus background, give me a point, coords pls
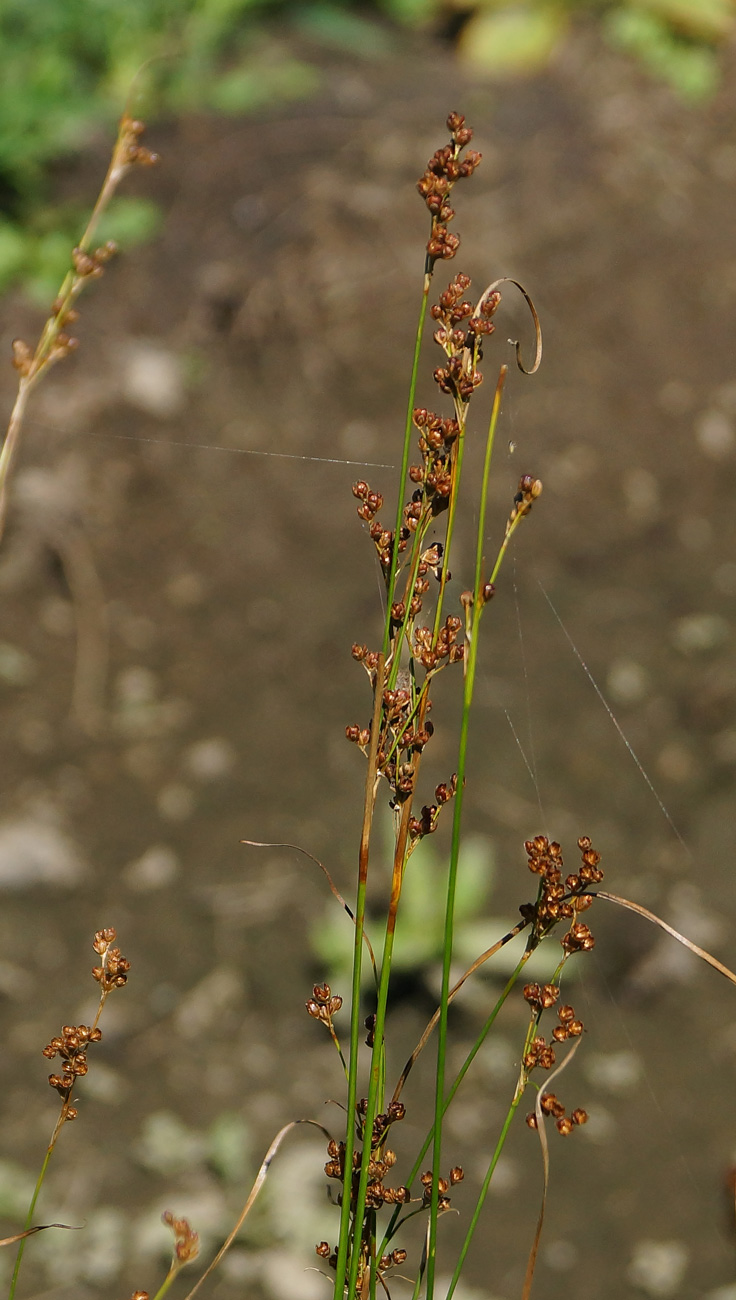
(183, 575)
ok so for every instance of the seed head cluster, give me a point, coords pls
(446, 166)
(323, 1005)
(382, 1160)
(560, 900)
(113, 971)
(186, 1241)
(565, 1124)
(56, 342)
(73, 1043)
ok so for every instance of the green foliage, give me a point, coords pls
(420, 923)
(513, 40)
(688, 65)
(68, 67)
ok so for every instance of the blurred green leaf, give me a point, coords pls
(13, 253)
(510, 42)
(130, 221)
(252, 86)
(420, 924)
(49, 261)
(414, 13)
(689, 68)
(229, 1147)
(706, 20)
(16, 1187)
(343, 30)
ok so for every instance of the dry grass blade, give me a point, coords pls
(668, 929)
(260, 844)
(507, 279)
(252, 1195)
(545, 1162)
(41, 1227)
(490, 952)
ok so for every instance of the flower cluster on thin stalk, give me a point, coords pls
(88, 263)
(426, 631)
(71, 1046)
(558, 902)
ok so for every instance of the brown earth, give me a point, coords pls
(187, 477)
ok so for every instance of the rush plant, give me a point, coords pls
(432, 629)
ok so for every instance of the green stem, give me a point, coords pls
(483, 1192)
(164, 1286)
(352, 1091)
(375, 1087)
(29, 1216)
(457, 466)
(392, 1226)
(350, 1229)
(405, 460)
(470, 669)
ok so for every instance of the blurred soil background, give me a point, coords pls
(182, 578)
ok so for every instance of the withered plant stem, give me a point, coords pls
(53, 343)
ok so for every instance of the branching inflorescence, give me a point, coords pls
(427, 629)
(87, 264)
(423, 635)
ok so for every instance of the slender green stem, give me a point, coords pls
(352, 1090)
(400, 636)
(518, 1094)
(470, 669)
(405, 460)
(393, 1224)
(457, 466)
(375, 1087)
(495, 411)
(484, 1192)
(348, 1260)
(166, 1283)
(29, 1216)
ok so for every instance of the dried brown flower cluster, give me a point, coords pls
(445, 167)
(381, 1161)
(186, 1241)
(87, 264)
(456, 1175)
(323, 1005)
(73, 1043)
(131, 152)
(565, 1124)
(459, 378)
(558, 900)
(72, 1047)
(402, 734)
(113, 972)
